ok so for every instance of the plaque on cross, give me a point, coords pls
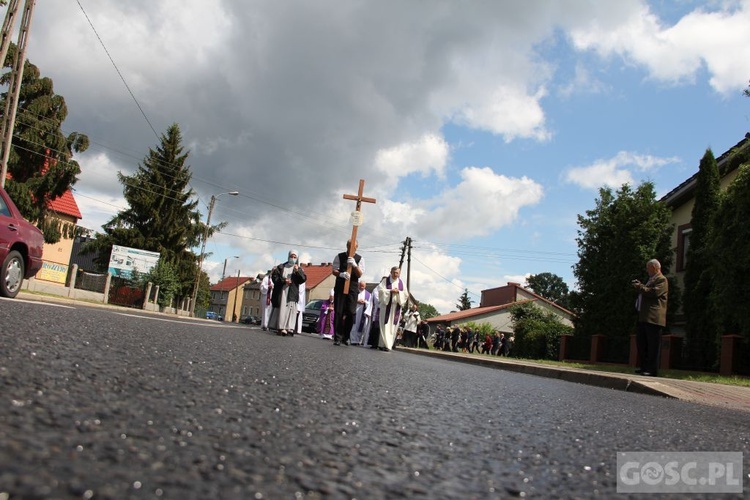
(357, 219)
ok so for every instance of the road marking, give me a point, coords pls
(36, 302)
(184, 322)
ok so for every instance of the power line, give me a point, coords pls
(117, 69)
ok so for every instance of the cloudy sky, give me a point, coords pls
(482, 128)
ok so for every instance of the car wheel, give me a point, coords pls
(12, 275)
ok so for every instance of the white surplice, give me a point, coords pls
(266, 287)
(391, 306)
(362, 320)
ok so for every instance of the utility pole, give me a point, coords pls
(10, 20)
(403, 253)
(408, 264)
(203, 248)
(236, 292)
(16, 77)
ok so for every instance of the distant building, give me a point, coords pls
(494, 308)
(225, 297)
(681, 201)
(251, 298)
(57, 256)
(320, 280)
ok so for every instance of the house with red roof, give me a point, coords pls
(494, 308)
(57, 256)
(226, 297)
(320, 280)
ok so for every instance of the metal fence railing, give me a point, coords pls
(92, 282)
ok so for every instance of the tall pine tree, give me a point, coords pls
(731, 250)
(161, 215)
(701, 330)
(615, 240)
(40, 162)
(464, 301)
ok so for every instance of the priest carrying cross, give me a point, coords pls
(348, 267)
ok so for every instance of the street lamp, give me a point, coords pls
(203, 247)
(224, 272)
(236, 292)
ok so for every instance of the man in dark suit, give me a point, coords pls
(345, 306)
(652, 317)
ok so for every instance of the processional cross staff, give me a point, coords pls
(357, 216)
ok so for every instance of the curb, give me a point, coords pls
(598, 379)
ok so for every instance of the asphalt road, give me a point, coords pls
(99, 403)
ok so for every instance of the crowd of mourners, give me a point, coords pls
(465, 339)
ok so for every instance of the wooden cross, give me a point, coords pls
(359, 199)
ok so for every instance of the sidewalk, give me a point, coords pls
(721, 395)
(725, 396)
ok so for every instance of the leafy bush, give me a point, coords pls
(481, 330)
(164, 275)
(537, 332)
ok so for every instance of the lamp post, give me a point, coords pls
(223, 273)
(203, 247)
(236, 292)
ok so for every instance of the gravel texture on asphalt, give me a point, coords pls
(100, 404)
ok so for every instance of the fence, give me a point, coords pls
(578, 348)
(90, 281)
(735, 352)
(104, 288)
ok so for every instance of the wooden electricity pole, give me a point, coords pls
(16, 76)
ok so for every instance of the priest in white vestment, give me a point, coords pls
(266, 288)
(392, 298)
(361, 326)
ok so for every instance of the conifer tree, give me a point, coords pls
(464, 301)
(40, 164)
(701, 329)
(731, 251)
(161, 214)
(615, 240)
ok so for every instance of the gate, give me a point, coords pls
(123, 293)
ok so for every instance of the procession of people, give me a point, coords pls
(352, 314)
(383, 317)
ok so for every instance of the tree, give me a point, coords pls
(615, 240)
(427, 311)
(464, 302)
(160, 216)
(731, 252)
(702, 336)
(163, 275)
(550, 286)
(40, 162)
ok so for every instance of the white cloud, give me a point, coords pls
(583, 82)
(427, 155)
(615, 171)
(717, 40)
(293, 102)
(481, 203)
(506, 110)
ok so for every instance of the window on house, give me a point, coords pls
(683, 243)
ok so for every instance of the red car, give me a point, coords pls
(21, 246)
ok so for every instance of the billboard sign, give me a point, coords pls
(123, 261)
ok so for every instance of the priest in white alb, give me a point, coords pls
(266, 289)
(361, 326)
(392, 298)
